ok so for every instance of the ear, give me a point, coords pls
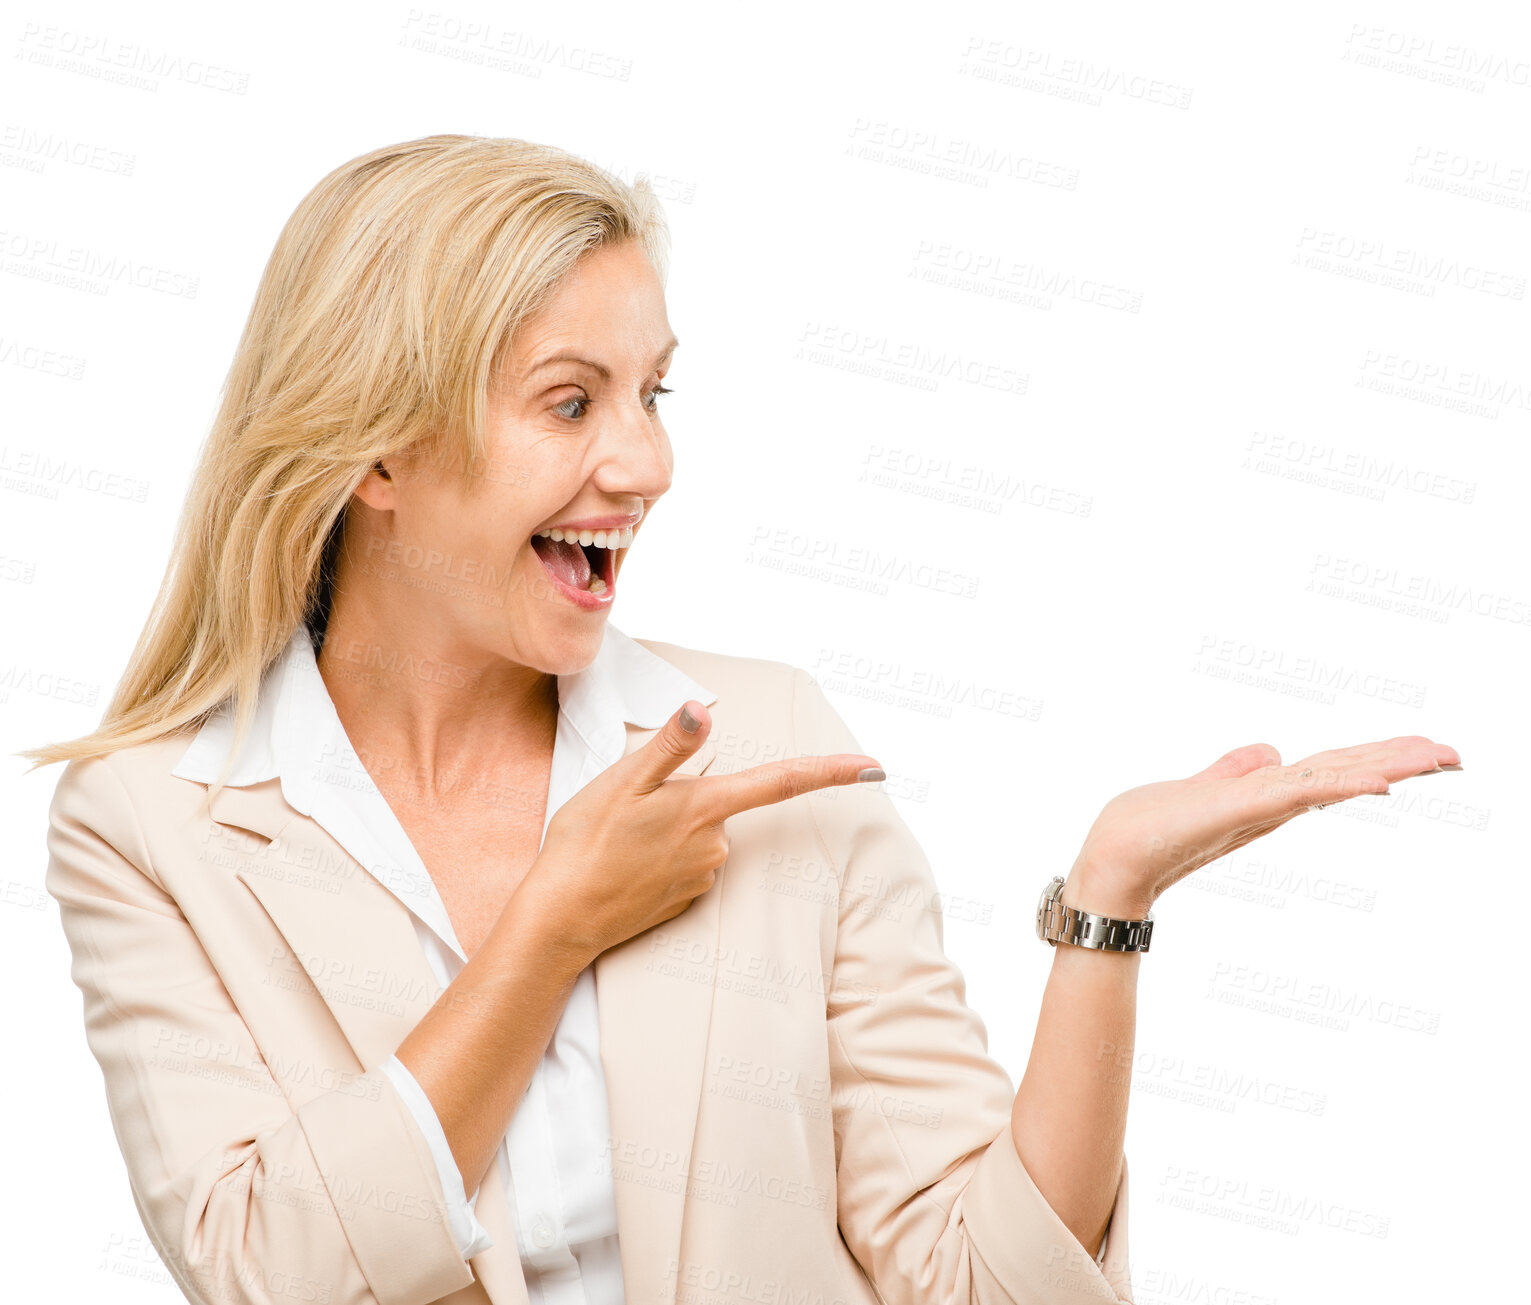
(376, 490)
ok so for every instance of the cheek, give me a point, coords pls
(474, 535)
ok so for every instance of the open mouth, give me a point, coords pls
(584, 573)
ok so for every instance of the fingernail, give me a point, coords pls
(688, 722)
(871, 774)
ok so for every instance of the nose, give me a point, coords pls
(633, 455)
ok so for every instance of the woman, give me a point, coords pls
(433, 945)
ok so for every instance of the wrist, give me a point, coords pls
(537, 917)
(1089, 889)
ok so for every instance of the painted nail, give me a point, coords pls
(871, 774)
(688, 722)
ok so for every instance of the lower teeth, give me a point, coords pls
(596, 585)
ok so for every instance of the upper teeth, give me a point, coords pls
(600, 538)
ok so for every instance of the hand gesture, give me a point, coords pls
(1150, 837)
(636, 845)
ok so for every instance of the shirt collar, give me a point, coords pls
(295, 716)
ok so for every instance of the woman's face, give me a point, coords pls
(574, 436)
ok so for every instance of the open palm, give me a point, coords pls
(1148, 838)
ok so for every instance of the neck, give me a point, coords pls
(421, 705)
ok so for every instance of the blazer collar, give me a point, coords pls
(339, 920)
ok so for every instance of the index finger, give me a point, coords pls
(776, 781)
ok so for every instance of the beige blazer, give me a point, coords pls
(803, 1108)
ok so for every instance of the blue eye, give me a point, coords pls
(583, 402)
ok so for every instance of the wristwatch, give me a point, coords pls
(1058, 923)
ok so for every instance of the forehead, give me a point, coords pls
(612, 299)
(632, 347)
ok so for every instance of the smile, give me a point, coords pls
(582, 563)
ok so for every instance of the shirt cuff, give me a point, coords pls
(470, 1235)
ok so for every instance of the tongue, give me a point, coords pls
(565, 560)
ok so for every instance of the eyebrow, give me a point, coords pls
(595, 366)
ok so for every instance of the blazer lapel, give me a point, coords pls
(355, 939)
(654, 996)
(350, 925)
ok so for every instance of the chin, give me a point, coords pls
(569, 647)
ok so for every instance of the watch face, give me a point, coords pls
(1053, 886)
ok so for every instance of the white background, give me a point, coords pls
(1260, 474)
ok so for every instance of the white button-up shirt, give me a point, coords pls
(557, 1183)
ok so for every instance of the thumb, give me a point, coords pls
(657, 759)
(1240, 762)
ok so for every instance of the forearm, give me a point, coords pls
(1070, 1113)
(475, 1050)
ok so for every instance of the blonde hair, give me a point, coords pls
(383, 316)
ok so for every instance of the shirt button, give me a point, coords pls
(542, 1231)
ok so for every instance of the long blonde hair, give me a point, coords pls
(383, 316)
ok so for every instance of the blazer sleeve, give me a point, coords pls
(933, 1199)
(246, 1198)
